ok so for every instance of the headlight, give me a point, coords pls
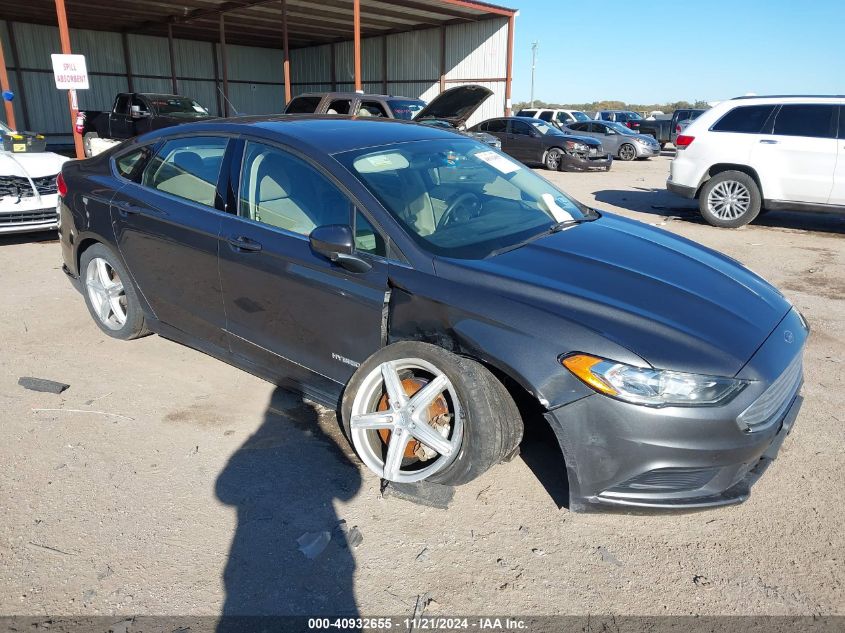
(652, 387)
(574, 145)
(643, 141)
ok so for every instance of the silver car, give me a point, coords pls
(617, 139)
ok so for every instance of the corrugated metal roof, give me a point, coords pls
(255, 22)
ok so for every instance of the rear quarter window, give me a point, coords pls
(745, 119)
(303, 105)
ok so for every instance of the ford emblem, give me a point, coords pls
(788, 336)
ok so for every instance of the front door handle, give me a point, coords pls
(768, 141)
(244, 244)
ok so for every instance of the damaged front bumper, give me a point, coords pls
(581, 161)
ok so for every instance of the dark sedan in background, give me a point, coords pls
(536, 142)
(424, 283)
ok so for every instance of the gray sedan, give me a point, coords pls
(619, 140)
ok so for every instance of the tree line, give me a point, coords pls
(667, 108)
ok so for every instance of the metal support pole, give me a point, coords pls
(224, 64)
(442, 58)
(533, 67)
(286, 62)
(356, 25)
(127, 62)
(64, 36)
(4, 85)
(174, 86)
(509, 67)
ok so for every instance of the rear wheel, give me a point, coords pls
(553, 159)
(86, 143)
(415, 412)
(627, 152)
(730, 199)
(110, 295)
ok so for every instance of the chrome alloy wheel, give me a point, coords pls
(385, 419)
(553, 160)
(627, 152)
(729, 200)
(106, 293)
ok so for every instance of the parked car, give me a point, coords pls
(419, 282)
(534, 142)
(556, 117)
(617, 139)
(683, 123)
(629, 119)
(134, 113)
(450, 109)
(662, 128)
(28, 198)
(754, 153)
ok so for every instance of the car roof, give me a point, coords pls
(320, 134)
(790, 97)
(355, 94)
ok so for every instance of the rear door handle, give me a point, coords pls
(127, 208)
(768, 141)
(244, 244)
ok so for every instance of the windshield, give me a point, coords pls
(628, 116)
(620, 128)
(459, 198)
(406, 108)
(545, 128)
(178, 107)
(580, 116)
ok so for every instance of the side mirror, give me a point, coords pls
(137, 113)
(336, 242)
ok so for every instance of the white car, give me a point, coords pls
(28, 197)
(556, 116)
(763, 153)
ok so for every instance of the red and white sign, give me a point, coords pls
(70, 72)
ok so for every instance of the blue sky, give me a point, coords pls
(658, 51)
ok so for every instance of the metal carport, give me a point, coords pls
(312, 37)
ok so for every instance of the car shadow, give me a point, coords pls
(663, 203)
(290, 554)
(28, 238)
(541, 452)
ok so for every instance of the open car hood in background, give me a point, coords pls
(455, 105)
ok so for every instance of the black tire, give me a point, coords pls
(738, 179)
(492, 423)
(86, 143)
(554, 159)
(627, 154)
(133, 326)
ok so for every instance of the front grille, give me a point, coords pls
(19, 187)
(771, 405)
(668, 480)
(28, 217)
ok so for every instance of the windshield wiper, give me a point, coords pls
(554, 228)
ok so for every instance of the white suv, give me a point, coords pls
(556, 116)
(755, 153)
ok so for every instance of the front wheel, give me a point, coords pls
(415, 412)
(730, 199)
(86, 143)
(627, 152)
(553, 159)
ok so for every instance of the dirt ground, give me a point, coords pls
(166, 482)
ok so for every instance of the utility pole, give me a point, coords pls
(533, 66)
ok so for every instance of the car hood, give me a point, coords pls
(455, 105)
(34, 165)
(586, 140)
(670, 301)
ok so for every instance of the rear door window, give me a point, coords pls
(813, 120)
(546, 115)
(303, 105)
(521, 128)
(579, 127)
(745, 119)
(187, 168)
(371, 108)
(497, 126)
(340, 106)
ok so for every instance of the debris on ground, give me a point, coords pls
(42, 384)
(422, 493)
(701, 581)
(538, 552)
(607, 556)
(312, 544)
(423, 556)
(423, 602)
(352, 536)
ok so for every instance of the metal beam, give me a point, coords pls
(13, 45)
(64, 36)
(286, 51)
(356, 25)
(173, 83)
(224, 64)
(4, 85)
(509, 67)
(442, 58)
(127, 62)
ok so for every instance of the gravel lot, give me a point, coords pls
(166, 482)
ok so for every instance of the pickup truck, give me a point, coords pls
(134, 113)
(662, 129)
